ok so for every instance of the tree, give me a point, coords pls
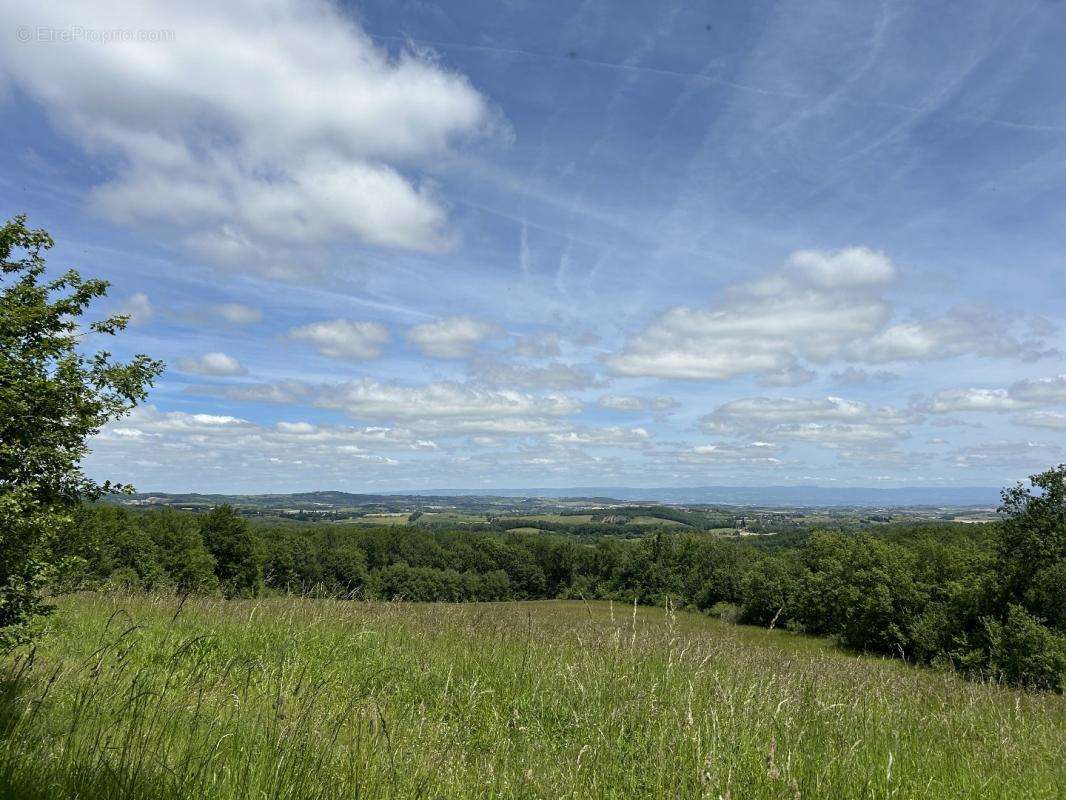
(238, 552)
(181, 551)
(53, 397)
(1032, 546)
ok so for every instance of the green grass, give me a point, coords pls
(291, 698)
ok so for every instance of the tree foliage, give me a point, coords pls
(53, 397)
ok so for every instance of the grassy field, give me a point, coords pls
(288, 698)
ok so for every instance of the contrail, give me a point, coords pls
(696, 76)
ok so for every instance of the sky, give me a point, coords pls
(492, 245)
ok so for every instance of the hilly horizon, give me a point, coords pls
(781, 496)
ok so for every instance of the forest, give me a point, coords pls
(987, 601)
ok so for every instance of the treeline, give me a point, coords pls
(986, 600)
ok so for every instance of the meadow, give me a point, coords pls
(146, 696)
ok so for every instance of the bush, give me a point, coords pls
(1024, 652)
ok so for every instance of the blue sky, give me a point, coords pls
(493, 245)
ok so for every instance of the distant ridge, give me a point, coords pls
(785, 496)
(765, 496)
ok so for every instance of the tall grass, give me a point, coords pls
(130, 697)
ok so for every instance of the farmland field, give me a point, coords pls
(140, 697)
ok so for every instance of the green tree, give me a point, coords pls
(181, 552)
(53, 397)
(1032, 546)
(237, 550)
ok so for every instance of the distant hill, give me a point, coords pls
(764, 496)
(784, 496)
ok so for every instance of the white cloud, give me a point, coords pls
(256, 125)
(828, 435)
(1019, 395)
(454, 337)
(137, 307)
(238, 313)
(216, 363)
(960, 331)
(819, 307)
(812, 308)
(369, 398)
(950, 400)
(488, 427)
(197, 442)
(830, 422)
(749, 411)
(603, 437)
(850, 267)
(758, 454)
(343, 338)
(1042, 419)
(1040, 390)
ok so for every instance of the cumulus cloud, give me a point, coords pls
(219, 442)
(454, 337)
(371, 399)
(1042, 419)
(255, 126)
(216, 363)
(830, 421)
(603, 437)
(1040, 390)
(833, 436)
(755, 454)
(960, 331)
(489, 427)
(1019, 395)
(950, 400)
(819, 307)
(812, 308)
(441, 408)
(237, 313)
(777, 410)
(149, 421)
(344, 339)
